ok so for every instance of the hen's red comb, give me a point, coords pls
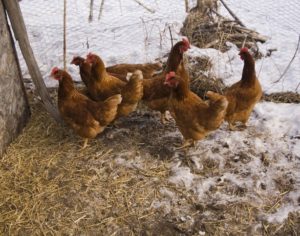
(244, 50)
(89, 55)
(54, 70)
(186, 42)
(171, 74)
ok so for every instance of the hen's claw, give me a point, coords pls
(187, 143)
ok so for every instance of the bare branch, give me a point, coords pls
(290, 63)
(65, 34)
(232, 14)
(91, 10)
(144, 6)
(186, 5)
(245, 40)
(101, 9)
(171, 35)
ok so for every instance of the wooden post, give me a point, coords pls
(65, 34)
(14, 12)
(14, 107)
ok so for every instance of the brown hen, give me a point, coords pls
(194, 117)
(156, 94)
(86, 117)
(104, 85)
(243, 95)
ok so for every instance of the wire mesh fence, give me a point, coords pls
(280, 21)
(286, 13)
(119, 31)
(137, 31)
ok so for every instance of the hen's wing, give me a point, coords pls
(76, 114)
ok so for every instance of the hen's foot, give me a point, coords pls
(187, 143)
(165, 117)
(237, 127)
(85, 144)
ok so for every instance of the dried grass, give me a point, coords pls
(285, 97)
(206, 28)
(49, 187)
(201, 81)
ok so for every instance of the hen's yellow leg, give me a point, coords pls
(164, 117)
(187, 143)
(85, 143)
(232, 127)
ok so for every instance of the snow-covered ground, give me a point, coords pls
(127, 32)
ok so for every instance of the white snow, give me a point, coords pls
(282, 214)
(273, 132)
(280, 119)
(182, 175)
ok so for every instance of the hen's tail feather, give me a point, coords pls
(110, 108)
(133, 90)
(218, 102)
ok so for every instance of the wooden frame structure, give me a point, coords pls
(14, 13)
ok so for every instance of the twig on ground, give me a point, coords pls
(244, 42)
(212, 43)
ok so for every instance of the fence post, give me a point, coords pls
(14, 107)
(14, 12)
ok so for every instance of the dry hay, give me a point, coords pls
(200, 79)
(285, 97)
(206, 28)
(49, 187)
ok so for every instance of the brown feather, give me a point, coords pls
(86, 117)
(243, 95)
(194, 117)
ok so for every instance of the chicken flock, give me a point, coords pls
(115, 91)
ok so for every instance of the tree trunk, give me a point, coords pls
(14, 108)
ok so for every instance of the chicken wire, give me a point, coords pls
(280, 21)
(119, 31)
(287, 12)
(124, 31)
